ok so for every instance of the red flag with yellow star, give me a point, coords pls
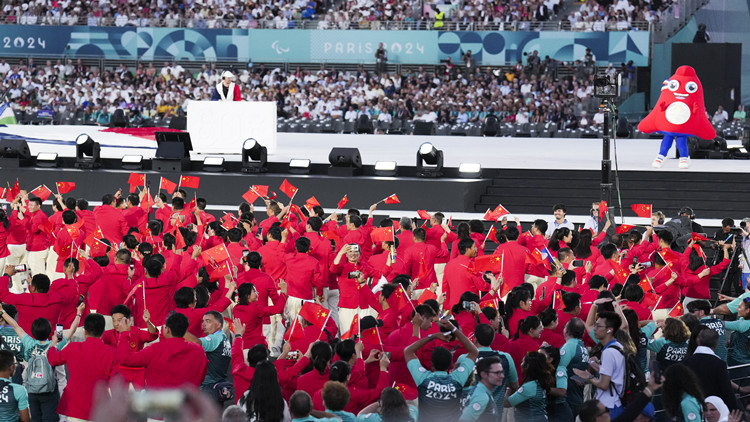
(288, 188)
(217, 253)
(314, 314)
(642, 210)
(620, 273)
(190, 182)
(353, 329)
(677, 311)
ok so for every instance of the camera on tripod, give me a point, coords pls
(606, 86)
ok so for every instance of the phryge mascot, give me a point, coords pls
(679, 113)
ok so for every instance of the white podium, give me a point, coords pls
(220, 127)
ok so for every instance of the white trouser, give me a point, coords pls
(18, 255)
(37, 262)
(52, 266)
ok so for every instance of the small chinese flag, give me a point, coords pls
(250, 196)
(167, 185)
(393, 199)
(490, 303)
(293, 208)
(381, 234)
(398, 300)
(179, 242)
(371, 338)
(646, 285)
(426, 295)
(624, 228)
(342, 203)
(314, 314)
(353, 329)
(642, 210)
(13, 192)
(677, 311)
(42, 192)
(424, 215)
(220, 271)
(698, 237)
(650, 300)
(602, 208)
(65, 187)
(136, 179)
(148, 201)
(312, 202)
(488, 215)
(295, 331)
(557, 301)
(499, 211)
(3, 192)
(74, 230)
(190, 182)
(621, 274)
(488, 263)
(450, 223)
(492, 234)
(261, 190)
(217, 253)
(228, 222)
(288, 188)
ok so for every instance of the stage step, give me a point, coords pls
(711, 195)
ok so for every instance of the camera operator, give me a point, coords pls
(728, 235)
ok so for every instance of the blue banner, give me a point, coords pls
(332, 46)
(500, 48)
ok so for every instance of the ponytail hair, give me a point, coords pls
(321, 356)
(339, 371)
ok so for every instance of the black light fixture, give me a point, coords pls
(429, 161)
(88, 153)
(14, 153)
(254, 157)
(345, 162)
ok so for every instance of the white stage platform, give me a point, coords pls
(510, 153)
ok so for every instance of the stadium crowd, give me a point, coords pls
(351, 14)
(530, 92)
(300, 315)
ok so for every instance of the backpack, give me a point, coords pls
(635, 379)
(39, 376)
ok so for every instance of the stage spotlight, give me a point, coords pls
(46, 159)
(386, 168)
(254, 157)
(14, 153)
(132, 162)
(345, 162)
(299, 166)
(470, 170)
(213, 164)
(87, 153)
(429, 161)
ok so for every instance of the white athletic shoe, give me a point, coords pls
(684, 163)
(658, 161)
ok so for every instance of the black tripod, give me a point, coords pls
(737, 249)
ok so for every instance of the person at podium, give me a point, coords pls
(226, 90)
